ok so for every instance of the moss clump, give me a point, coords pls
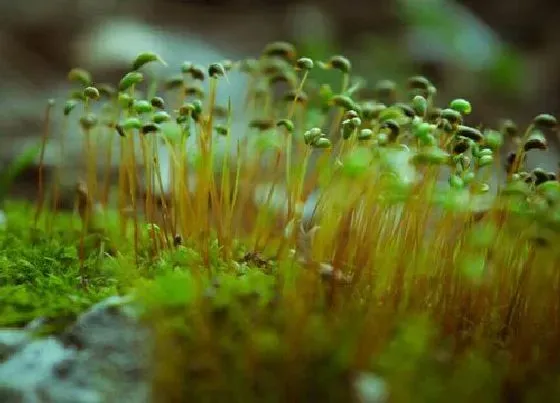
(41, 276)
(420, 261)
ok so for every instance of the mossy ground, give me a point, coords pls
(246, 334)
(40, 276)
(404, 276)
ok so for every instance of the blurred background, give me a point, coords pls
(504, 57)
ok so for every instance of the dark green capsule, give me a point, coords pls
(470, 133)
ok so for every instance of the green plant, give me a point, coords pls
(410, 264)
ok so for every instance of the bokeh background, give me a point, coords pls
(503, 56)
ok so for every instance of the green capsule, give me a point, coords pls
(160, 117)
(536, 141)
(181, 119)
(186, 109)
(432, 91)
(222, 130)
(69, 106)
(283, 77)
(470, 133)
(296, 96)
(227, 64)
(485, 160)
(131, 124)
(433, 114)
(185, 67)
(384, 88)
(545, 121)
(88, 121)
(347, 129)
(125, 100)
(150, 128)
(493, 139)
(418, 83)
(304, 63)
(461, 105)
(343, 101)
(81, 76)
(284, 50)
(196, 72)
(174, 82)
(145, 58)
(372, 110)
(216, 70)
(540, 176)
(423, 130)
(461, 146)
(130, 79)
(365, 134)
(220, 111)
(287, 124)
(550, 190)
(456, 182)
(311, 135)
(340, 63)
(142, 106)
(394, 129)
(106, 90)
(419, 105)
(197, 106)
(356, 121)
(463, 160)
(485, 151)
(120, 130)
(91, 93)
(509, 128)
(445, 126)
(158, 102)
(249, 66)
(452, 116)
(350, 114)
(194, 90)
(261, 124)
(392, 112)
(468, 177)
(322, 143)
(428, 140)
(406, 109)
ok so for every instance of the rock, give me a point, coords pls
(104, 357)
(25, 373)
(11, 340)
(370, 388)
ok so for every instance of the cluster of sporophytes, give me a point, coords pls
(413, 262)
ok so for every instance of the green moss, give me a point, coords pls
(429, 285)
(40, 275)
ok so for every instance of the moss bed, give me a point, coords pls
(426, 272)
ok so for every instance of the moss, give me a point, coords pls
(40, 276)
(443, 289)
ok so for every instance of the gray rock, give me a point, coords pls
(11, 340)
(22, 376)
(104, 357)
